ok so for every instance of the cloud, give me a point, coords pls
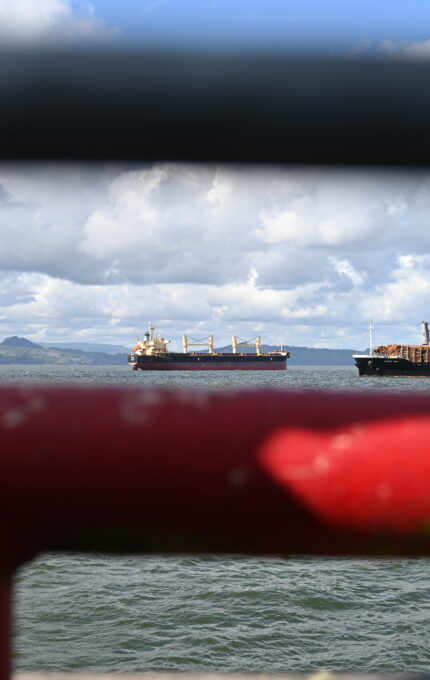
(345, 268)
(4, 196)
(415, 51)
(418, 50)
(56, 304)
(408, 285)
(118, 227)
(30, 22)
(151, 7)
(300, 257)
(321, 215)
(397, 206)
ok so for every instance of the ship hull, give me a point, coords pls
(208, 362)
(391, 367)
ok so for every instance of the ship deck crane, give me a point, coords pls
(235, 344)
(186, 344)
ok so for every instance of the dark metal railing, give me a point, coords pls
(202, 107)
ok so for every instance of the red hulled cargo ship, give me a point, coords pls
(151, 354)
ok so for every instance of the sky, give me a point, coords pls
(300, 257)
(299, 25)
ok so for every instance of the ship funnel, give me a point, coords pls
(425, 340)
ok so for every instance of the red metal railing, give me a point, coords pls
(207, 471)
(262, 472)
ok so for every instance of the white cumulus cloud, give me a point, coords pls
(296, 256)
(345, 268)
(30, 22)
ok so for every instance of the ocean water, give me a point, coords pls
(219, 614)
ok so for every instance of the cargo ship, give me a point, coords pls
(396, 360)
(151, 354)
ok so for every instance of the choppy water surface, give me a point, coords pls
(296, 377)
(133, 614)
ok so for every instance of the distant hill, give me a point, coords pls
(15, 341)
(312, 356)
(307, 356)
(22, 351)
(88, 347)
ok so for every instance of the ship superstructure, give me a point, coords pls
(151, 345)
(151, 353)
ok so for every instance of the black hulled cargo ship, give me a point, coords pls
(397, 360)
(151, 354)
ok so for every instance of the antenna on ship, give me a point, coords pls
(371, 329)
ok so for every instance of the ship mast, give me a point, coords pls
(371, 329)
